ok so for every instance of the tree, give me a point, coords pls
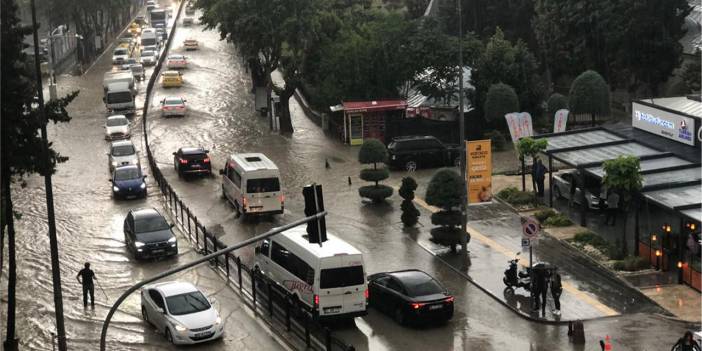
(589, 94)
(373, 151)
(528, 147)
(556, 102)
(691, 74)
(22, 147)
(444, 191)
(410, 214)
(501, 100)
(416, 8)
(511, 64)
(622, 175)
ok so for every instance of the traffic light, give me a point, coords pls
(314, 203)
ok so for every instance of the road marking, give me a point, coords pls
(606, 310)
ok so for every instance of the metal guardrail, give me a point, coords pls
(262, 293)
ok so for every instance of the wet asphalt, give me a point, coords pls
(221, 118)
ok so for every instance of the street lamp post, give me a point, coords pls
(53, 242)
(462, 133)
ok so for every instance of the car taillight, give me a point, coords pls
(416, 306)
(449, 299)
(366, 294)
(316, 301)
(245, 202)
(281, 198)
(183, 162)
(206, 160)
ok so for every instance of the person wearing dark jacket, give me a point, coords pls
(539, 174)
(85, 278)
(686, 343)
(556, 290)
(539, 282)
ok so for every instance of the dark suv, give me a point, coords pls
(412, 152)
(147, 234)
(192, 160)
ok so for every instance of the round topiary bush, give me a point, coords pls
(410, 214)
(375, 175)
(556, 102)
(500, 100)
(377, 193)
(445, 191)
(373, 152)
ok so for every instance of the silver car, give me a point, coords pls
(117, 127)
(561, 189)
(122, 153)
(148, 57)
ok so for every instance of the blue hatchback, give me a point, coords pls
(128, 182)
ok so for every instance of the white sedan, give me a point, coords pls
(176, 61)
(117, 127)
(173, 106)
(181, 312)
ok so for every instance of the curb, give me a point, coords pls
(604, 268)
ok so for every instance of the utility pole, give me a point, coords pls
(462, 144)
(55, 269)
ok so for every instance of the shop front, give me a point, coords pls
(368, 119)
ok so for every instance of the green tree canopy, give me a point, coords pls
(444, 190)
(556, 102)
(372, 151)
(623, 174)
(501, 100)
(531, 147)
(691, 74)
(589, 94)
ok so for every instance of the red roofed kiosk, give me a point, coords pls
(367, 119)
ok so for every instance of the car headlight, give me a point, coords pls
(114, 163)
(115, 189)
(179, 328)
(172, 240)
(139, 244)
(218, 321)
(143, 185)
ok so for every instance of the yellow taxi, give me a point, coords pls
(171, 79)
(135, 29)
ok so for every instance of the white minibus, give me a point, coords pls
(251, 182)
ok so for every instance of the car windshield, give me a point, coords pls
(419, 284)
(127, 173)
(150, 224)
(147, 53)
(114, 122)
(123, 150)
(262, 185)
(188, 303)
(120, 51)
(176, 101)
(176, 57)
(119, 97)
(194, 156)
(341, 277)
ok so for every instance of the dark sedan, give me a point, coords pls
(192, 160)
(128, 182)
(410, 296)
(147, 234)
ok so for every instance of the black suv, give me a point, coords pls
(412, 152)
(147, 234)
(192, 160)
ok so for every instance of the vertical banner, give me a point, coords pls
(519, 124)
(560, 120)
(479, 171)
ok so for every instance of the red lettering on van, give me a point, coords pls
(297, 285)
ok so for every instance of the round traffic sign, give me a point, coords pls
(530, 228)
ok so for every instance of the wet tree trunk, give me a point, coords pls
(285, 119)
(10, 343)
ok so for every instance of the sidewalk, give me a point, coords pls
(588, 291)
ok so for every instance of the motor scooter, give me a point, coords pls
(517, 279)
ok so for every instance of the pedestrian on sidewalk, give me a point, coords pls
(539, 282)
(540, 175)
(612, 207)
(556, 290)
(573, 188)
(85, 278)
(686, 343)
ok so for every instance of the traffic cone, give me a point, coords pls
(608, 344)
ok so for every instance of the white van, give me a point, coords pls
(251, 182)
(149, 37)
(329, 280)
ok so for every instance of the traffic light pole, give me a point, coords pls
(316, 206)
(462, 132)
(207, 258)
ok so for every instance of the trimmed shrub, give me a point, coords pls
(544, 214)
(556, 102)
(377, 193)
(444, 191)
(372, 151)
(447, 236)
(498, 140)
(516, 197)
(374, 175)
(558, 220)
(446, 218)
(500, 100)
(631, 264)
(410, 214)
(409, 185)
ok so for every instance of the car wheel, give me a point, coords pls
(169, 337)
(557, 192)
(410, 166)
(399, 316)
(144, 315)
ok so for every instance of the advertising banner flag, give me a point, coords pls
(560, 120)
(479, 171)
(519, 124)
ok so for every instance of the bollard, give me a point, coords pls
(253, 288)
(226, 263)
(238, 271)
(327, 339)
(307, 330)
(189, 232)
(204, 239)
(181, 211)
(197, 241)
(287, 314)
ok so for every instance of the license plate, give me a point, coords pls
(435, 307)
(195, 166)
(158, 251)
(200, 335)
(332, 309)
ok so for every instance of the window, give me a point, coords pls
(188, 303)
(151, 224)
(114, 122)
(279, 255)
(265, 247)
(341, 277)
(262, 185)
(119, 97)
(394, 285)
(234, 176)
(127, 173)
(291, 263)
(156, 298)
(424, 287)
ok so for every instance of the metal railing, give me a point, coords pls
(262, 294)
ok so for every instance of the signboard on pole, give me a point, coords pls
(666, 124)
(560, 120)
(520, 125)
(479, 171)
(530, 228)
